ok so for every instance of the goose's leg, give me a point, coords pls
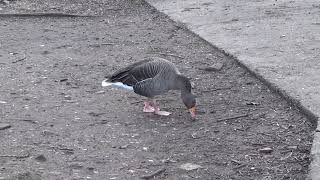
(148, 106)
(157, 109)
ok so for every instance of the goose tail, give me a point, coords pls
(107, 82)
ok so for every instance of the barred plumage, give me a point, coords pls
(152, 77)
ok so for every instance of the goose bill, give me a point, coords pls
(193, 111)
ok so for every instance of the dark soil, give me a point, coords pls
(64, 125)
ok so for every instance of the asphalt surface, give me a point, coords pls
(277, 40)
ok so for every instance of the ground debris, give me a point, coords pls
(152, 175)
(16, 61)
(266, 150)
(64, 79)
(236, 161)
(95, 114)
(4, 126)
(26, 155)
(252, 104)
(189, 166)
(168, 54)
(40, 158)
(124, 146)
(100, 92)
(215, 67)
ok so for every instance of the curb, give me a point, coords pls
(314, 167)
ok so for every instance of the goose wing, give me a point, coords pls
(136, 72)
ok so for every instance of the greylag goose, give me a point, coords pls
(152, 77)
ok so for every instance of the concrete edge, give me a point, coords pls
(314, 166)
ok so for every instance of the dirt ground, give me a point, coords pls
(64, 125)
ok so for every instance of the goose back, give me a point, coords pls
(149, 77)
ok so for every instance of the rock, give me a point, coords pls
(4, 126)
(215, 67)
(40, 158)
(124, 146)
(3, 102)
(266, 150)
(189, 166)
(67, 97)
(252, 104)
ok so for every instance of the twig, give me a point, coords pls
(19, 60)
(17, 156)
(108, 43)
(286, 157)
(48, 14)
(235, 161)
(29, 120)
(234, 117)
(217, 89)
(240, 166)
(166, 54)
(114, 9)
(152, 175)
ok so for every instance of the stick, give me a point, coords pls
(19, 60)
(234, 117)
(53, 14)
(165, 54)
(16, 156)
(217, 89)
(152, 175)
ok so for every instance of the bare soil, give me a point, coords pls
(64, 125)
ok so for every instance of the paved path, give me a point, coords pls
(279, 40)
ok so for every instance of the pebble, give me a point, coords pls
(100, 92)
(40, 158)
(4, 126)
(266, 150)
(67, 97)
(189, 166)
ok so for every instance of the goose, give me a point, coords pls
(151, 77)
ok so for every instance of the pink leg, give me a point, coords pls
(157, 109)
(148, 107)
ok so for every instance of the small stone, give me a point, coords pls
(100, 92)
(67, 97)
(252, 104)
(266, 150)
(76, 166)
(124, 146)
(189, 166)
(3, 102)
(41, 158)
(214, 67)
(4, 126)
